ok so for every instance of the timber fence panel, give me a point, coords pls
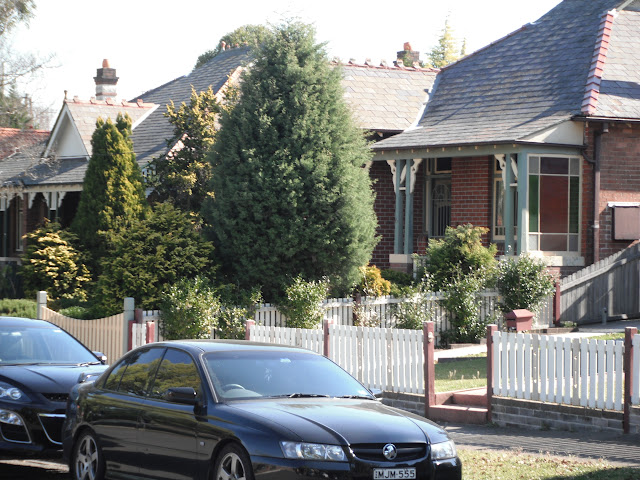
(104, 335)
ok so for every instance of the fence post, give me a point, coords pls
(629, 333)
(325, 338)
(557, 305)
(41, 298)
(247, 333)
(491, 329)
(151, 332)
(428, 344)
(129, 317)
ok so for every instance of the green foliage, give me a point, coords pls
(18, 307)
(291, 196)
(245, 35)
(459, 253)
(14, 113)
(417, 310)
(14, 12)
(446, 51)
(523, 283)
(190, 308)
(51, 263)
(462, 300)
(237, 307)
(113, 195)
(183, 175)
(402, 284)
(371, 282)
(302, 304)
(152, 254)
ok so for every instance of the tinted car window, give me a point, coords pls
(272, 374)
(140, 368)
(176, 370)
(53, 346)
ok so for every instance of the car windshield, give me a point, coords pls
(36, 345)
(262, 373)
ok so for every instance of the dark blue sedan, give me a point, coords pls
(240, 410)
(39, 364)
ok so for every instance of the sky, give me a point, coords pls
(151, 42)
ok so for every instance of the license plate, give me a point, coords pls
(395, 473)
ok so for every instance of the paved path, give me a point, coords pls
(617, 449)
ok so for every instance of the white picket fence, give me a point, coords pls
(558, 369)
(390, 359)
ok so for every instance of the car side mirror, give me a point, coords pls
(376, 392)
(101, 356)
(184, 395)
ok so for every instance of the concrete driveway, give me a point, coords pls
(21, 469)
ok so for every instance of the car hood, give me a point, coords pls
(341, 421)
(46, 378)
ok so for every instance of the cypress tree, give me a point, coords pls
(290, 194)
(113, 193)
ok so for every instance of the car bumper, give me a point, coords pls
(40, 433)
(283, 469)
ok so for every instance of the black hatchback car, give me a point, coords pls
(39, 364)
(240, 410)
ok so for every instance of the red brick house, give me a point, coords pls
(536, 137)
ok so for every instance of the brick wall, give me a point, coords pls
(471, 179)
(619, 178)
(510, 412)
(406, 401)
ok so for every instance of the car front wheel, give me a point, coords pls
(233, 464)
(87, 462)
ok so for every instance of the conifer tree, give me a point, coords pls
(446, 51)
(113, 194)
(291, 196)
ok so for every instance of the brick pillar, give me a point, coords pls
(629, 333)
(326, 350)
(247, 333)
(491, 329)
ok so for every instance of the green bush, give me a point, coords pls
(523, 283)
(461, 300)
(237, 307)
(372, 284)
(303, 303)
(459, 253)
(412, 314)
(189, 309)
(52, 264)
(18, 307)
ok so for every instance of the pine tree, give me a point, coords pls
(446, 51)
(246, 35)
(291, 196)
(113, 193)
(182, 176)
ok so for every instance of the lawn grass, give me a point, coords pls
(461, 374)
(516, 465)
(19, 307)
(608, 336)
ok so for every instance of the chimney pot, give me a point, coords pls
(105, 63)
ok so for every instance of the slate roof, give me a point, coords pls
(386, 99)
(150, 138)
(29, 168)
(618, 95)
(531, 80)
(86, 113)
(14, 139)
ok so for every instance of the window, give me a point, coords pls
(554, 204)
(133, 373)
(438, 196)
(176, 370)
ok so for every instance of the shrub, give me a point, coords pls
(459, 253)
(190, 309)
(412, 314)
(303, 302)
(18, 307)
(237, 307)
(372, 284)
(51, 263)
(461, 300)
(523, 283)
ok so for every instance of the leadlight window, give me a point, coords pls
(554, 204)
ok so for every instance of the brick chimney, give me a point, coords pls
(106, 81)
(408, 56)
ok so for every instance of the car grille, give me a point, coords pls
(52, 425)
(14, 433)
(373, 451)
(56, 397)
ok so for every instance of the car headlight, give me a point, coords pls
(9, 392)
(12, 418)
(443, 450)
(313, 451)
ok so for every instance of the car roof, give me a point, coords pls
(25, 322)
(207, 346)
